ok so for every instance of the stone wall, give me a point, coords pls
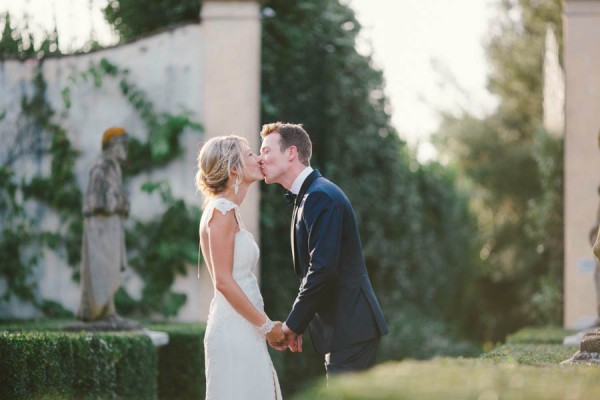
(196, 67)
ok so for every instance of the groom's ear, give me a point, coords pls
(292, 153)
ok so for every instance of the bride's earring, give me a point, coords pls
(236, 185)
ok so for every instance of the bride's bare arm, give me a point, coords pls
(221, 240)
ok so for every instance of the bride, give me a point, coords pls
(238, 365)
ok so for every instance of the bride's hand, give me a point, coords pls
(276, 337)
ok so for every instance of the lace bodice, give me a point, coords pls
(246, 252)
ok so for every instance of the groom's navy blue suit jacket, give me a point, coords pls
(336, 300)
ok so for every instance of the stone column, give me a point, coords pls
(582, 155)
(231, 67)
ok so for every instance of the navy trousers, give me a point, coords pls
(352, 358)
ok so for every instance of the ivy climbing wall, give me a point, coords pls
(52, 115)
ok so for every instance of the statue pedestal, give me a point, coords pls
(589, 350)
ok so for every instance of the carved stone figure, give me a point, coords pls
(105, 207)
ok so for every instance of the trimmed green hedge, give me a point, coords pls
(77, 365)
(461, 379)
(181, 362)
(175, 371)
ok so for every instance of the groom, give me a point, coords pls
(335, 300)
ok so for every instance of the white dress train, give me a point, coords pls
(237, 361)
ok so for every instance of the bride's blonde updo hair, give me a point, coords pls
(216, 159)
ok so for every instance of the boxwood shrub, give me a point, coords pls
(77, 365)
(87, 368)
(181, 362)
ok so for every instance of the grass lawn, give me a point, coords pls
(462, 379)
(526, 367)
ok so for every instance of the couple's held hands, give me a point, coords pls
(275, 336)
(280, 337)
(294, 341)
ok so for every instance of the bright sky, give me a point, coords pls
(421, 45)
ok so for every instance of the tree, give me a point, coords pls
(134, 18)
(17, 42)
(415, 226)
(512, 165)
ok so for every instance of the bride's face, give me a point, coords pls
(252, 172)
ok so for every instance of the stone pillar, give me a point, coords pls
(582, 155)
(231, 64)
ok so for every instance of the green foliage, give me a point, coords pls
(514, 171)
(164, 129)
(134, 18)
(516, 53)
(416, 229)
(418, 336)
(62, 366)
(172, 237)
(461, 379)
(545, 227)
(530, 354)
(539, 335)
(9, 45)
(159, 250)
(18, 42)
(16, 265)
(181, 362)
(58, 190)
(53, 309)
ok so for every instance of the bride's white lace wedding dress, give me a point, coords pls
(237, 361)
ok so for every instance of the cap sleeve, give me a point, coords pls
(224, 205)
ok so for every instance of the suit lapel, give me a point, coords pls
(309, 179)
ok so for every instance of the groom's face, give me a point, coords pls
(274, 163)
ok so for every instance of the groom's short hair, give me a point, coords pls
(291, 135)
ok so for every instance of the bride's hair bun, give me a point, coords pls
(217, 158)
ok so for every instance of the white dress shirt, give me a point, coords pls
(297, 185)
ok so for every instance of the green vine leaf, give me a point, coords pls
(108, 68)
(66, 97)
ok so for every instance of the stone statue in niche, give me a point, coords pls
(103, 253)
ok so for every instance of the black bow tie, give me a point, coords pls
(290, 197)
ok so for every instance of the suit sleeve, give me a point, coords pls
(323, 222)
